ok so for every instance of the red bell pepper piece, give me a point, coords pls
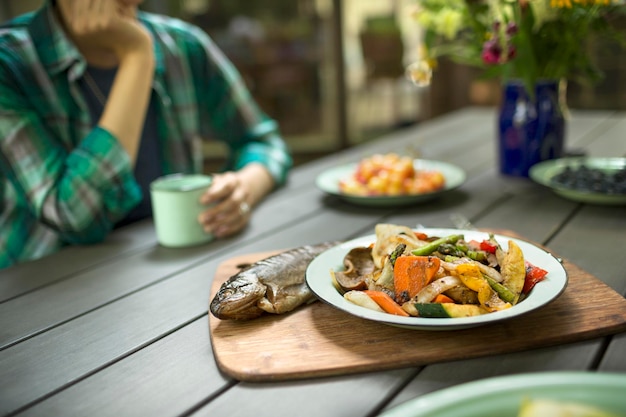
(534, 274)
(488, 246)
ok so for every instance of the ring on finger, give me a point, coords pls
(244, 208)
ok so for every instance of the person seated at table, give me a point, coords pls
(97, 99)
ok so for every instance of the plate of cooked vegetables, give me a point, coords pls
(539, 394)
(591, 180)
(390, 180)
(436, 279)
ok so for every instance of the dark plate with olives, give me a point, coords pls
(584, 179)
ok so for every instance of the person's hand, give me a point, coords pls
(108, 34)
(230, 213)
(106, 24)
(233, 195)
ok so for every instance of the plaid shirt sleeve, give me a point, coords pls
(227, 110)
(75, 191)
(78, 192)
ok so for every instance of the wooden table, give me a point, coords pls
(121, 328)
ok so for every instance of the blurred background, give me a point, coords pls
(331, 72)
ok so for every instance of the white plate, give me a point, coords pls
(319, 280)
(543, 173)
(502, 396)
(328, 181)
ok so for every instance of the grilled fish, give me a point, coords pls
(273, 285)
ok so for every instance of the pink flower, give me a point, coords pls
(491, 52)
(511, 28)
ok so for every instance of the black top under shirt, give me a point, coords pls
(148, 164)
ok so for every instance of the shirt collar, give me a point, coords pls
(56, 51)
(159, 56)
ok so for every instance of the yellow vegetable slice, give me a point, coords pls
(513, 270)
(473, 279)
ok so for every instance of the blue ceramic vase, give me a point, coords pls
(530, 129)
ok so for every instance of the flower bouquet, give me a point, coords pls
(534, 47)
(529, 40)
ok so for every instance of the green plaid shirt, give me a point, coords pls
(64, 181)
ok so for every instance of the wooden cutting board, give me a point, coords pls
(318, 340)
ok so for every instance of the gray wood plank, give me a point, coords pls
(338, 397)
(69, 352)
(432, 138)
(614, 359)
(578, 357)
(35, 312)
(504, 204)
(594, 240)
(583, 127)
(167, 378)
(28, 276)
(532, 211)
(608, 138)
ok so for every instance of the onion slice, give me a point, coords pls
(429, 292)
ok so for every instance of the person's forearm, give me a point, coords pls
(126, 107)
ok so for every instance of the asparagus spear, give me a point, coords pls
(399, 250)
(503, 292)
(432, 246)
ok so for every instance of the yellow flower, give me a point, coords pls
(420, 73)
(425, 19)
(543, 12)
(560, 4)
(449, 22)
(515, 38)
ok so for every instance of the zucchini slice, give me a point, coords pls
(448, 310)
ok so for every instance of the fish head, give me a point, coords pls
(237, 298)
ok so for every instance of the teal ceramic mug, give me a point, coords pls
(175, 209)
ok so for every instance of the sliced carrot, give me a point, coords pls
(411, 274)
(386, 302)
(441, 298)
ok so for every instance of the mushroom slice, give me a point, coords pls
(359, 266)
